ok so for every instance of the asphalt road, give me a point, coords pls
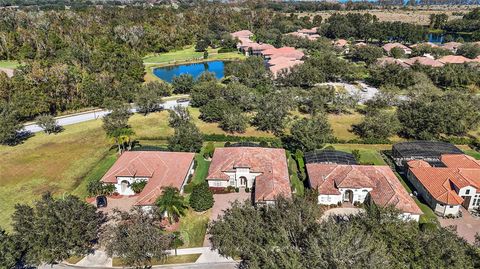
(82, 117)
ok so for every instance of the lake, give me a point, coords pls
(169, 72)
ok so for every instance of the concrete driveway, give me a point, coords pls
(341, 211)
(467, 226)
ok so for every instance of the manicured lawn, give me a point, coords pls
(9, 64)
(342, 125)
(187, 258)
(369, 154)
(294, 179)
(201, 170)
(74, 259)
(473, 153)
(56, 163)
(193, 228)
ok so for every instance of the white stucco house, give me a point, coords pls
(264, 170)
(159, 169)
(351, 183)
(446, 189)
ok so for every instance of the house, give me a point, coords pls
(427, 61)
(286, 52)
(428, 151)
(263, 170)
(352, 183)
(452, 46)
(7, 71)
(445, 189)
(242, 34)
(454, 59)
(282, 65)
(159, 169)
(340, 43)
(390, 60)
(430, 44)
(389, 46)
(310, 34)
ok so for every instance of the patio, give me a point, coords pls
(467, 226)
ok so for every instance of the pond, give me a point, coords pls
(169, 72)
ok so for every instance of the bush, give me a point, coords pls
(208, 151)
(428, 226)
(247, 189)
(188, 188)
(201, 198)
(230, 189)
(96, 187)
(225, 50)
(138, 186)
(227, 144)
(237, 189)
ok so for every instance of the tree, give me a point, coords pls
(187, 137)
(313, 133)
(149, 97)
(47, 123)
(317, 20)
(233, 121)
(378, 125)
(49, 231)
(201, 198)
(177, 241)
(201, 45)
(469, 50)
(208, 151)
(171, 204)
(11, 254)
(272, 112)
(397, 53)
(136, 237)
(182, 84)
(214, 110)
(10, 125)
(290, 235)
(116, 126)
(369, 54)
(178, 116)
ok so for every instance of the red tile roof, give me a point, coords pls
(242, 34)
(162, 168)
(386, 188)
(423, 61)
(390, 60)
(454, 59)
(460, 161)
(287, 52)
(270, 162)
(340, 43)
(389, 46)
(418, 163)
(433, 45)
(461, 171)
(451, 45)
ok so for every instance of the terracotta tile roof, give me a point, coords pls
(390, 60)
(438, 181)
(7, 71)
(460, 161)
(452, 45)
(361, 44)
(418, 163)
(270, 162)
(287, 65)
(454, 59)
(308, 31)
(287, 52)
(424, 44)
(386, 188)
(389, 46)
(242, 34)
(162, 169)
(423, 61)
(340, 43)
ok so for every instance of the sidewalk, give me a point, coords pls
(99, 259)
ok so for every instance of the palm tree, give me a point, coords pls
(171, 204)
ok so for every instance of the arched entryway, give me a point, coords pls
(124, 186)
(243, 181)
(348, 196)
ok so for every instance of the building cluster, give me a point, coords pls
(427, 59)
(310, 34)
(441, 174)
(276, 59)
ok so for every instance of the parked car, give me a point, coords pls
(102, 201)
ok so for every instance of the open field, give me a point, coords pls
(56, 163)
(417, 16)
(187, 55)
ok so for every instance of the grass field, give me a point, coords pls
(9, 64)
(187, 258)
(56, 163)
(369, 154)
(187, 55)
(193, 228)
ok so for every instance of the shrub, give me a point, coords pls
(227, 144)
(225, 50)
(96, 187)
(247, 189)
(188, 188)
(201, 198)
(237, 189)
(47, 123)
(138, 186)
(208, 151)
(428, 226)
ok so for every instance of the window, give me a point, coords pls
(365, 190)
(467, 192)
(451, 206)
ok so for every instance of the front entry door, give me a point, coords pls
(243, 181)
(466, 201)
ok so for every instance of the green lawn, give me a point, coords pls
(369, 154)
(193, 228)
(187, 258)
(201, 170)
(9, 64)
(294, 179)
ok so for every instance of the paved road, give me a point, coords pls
(82, 117)
(213, 265)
